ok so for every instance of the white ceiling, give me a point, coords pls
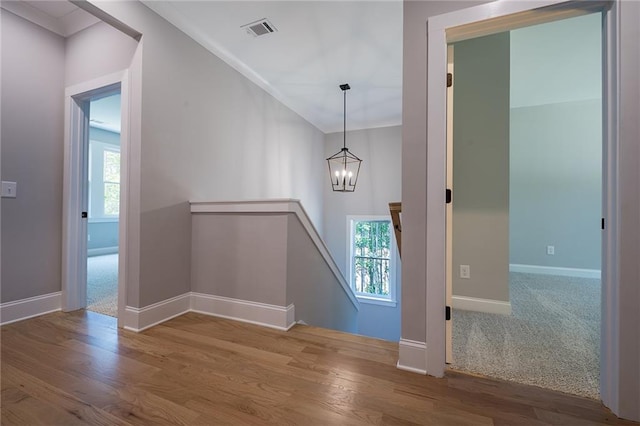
(317, 46)
(61, 17)
(104, 113)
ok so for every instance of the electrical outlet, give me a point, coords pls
(465, 271)
(551, 250)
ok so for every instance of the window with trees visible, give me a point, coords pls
(104, 180)
(372, 258)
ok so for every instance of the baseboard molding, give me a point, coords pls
(31, 307)
(412, 356)
(273, 316)
(555, 270)
(102, 251)
(476, 304)
(139, 319)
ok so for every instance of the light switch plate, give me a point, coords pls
(9, 189)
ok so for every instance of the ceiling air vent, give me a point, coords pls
(259, 27)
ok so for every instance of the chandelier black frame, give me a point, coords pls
(344, 166)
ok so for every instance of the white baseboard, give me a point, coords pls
(273, 316)
(139, 319)
(412, 356)
(102, 251)
(31, 307)
(481, 305)
(555, 270)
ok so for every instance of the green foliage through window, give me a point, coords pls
(111, 178)
(371, 257)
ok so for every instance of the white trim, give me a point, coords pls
(272, 316)
(412, 356)
(376, 301)
(102, 251)
(139, 319)
(28, 308)
(74, 228)
(555, 270)
(477, 304)
(285, 205)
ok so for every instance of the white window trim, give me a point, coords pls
(368, 298)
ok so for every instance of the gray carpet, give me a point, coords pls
(102, 284)
(550, 340)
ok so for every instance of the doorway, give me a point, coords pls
(102, 95)
(527, 156)
(103, 195)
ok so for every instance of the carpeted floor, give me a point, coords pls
(551, 339)
(102, 284)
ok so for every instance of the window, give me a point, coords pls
(104, 180)
(372, 259)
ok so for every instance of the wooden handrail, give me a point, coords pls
(395, 209)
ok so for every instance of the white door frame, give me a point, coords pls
(488, 19)
(74, 227)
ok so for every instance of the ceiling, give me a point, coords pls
(61, 17)
(317, 46)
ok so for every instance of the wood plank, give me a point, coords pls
(78, 368)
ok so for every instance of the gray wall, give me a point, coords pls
(240, 256)
(556, 143)
(311, 286)
(95, 52)
(481, 167)
(556, 162)
(378, 185)
(267, 258)
(207, 134)
(414, 155)
(32, 134)
(36, 67)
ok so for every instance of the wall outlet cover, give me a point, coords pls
(9, 189)
(465, 271)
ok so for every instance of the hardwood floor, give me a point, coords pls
(77, 368)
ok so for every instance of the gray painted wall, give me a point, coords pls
(378, 185)
(240, 256)
(414, 157)
(207, 134)
(95, 52)
(318, 298)
(556, 143)
(556, 199)
(267, 258)
(481, 167)
(32, 134)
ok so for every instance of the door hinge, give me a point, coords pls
(84, 215)
(602, 224)
(449, 79)
(447, 313)
(448, 196)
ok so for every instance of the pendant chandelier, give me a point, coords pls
(344, 166)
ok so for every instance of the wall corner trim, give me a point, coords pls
(30, 307)
(139, 319)
(412, 356)
(477, 304)
(272, 316)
